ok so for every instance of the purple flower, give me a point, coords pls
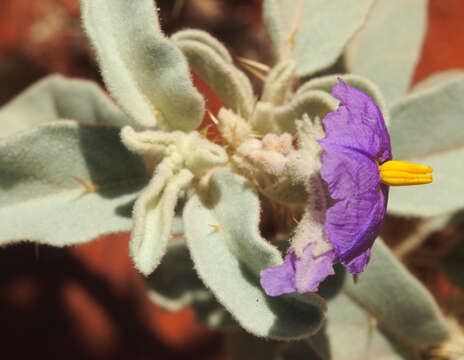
(357, 169)
(302, 274)
(356, 143)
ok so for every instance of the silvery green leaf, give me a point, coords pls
(278, 82)
(153, 215)
(351, 333)
(67, 183)
(144, 71)
(387, 48)
(207, 57)
(204, 38)
(325, 83)
(222, 234)
(190, 150)
(426, 128)
(401, 305)
(56, 97)
(313, 33)
(437, 79)
(279, 119)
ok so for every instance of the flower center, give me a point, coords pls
(397, 173)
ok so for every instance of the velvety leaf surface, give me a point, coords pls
(401, 305)
(228, 252)
(427, 128)
(313, 33)
(350, 333)
(66, 183)
(57, 97)
(144, 71)
(210, 59)
(279, 119)
(153, 216)
(387, 48)
(326, 83)
(278, 82)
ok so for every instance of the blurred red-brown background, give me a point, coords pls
(88, 302)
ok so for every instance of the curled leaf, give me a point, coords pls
(207, 58)
(144, 71)
(229, 253)
(279, 82)
(325, 83)
(153, 215)
(278, 119)
(56, 97)
(66, 183)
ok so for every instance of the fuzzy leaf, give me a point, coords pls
(66, 183)
(279, 82)
(213, 64)
(279, 119)
(153, 215)
(228, 253)
(144, 71)
(204, 38)
(437, 79)
(388, 47)
(56, 97)
(351, 334)
(325, 83)
(426, 128)
(402, 306)
(313, 33)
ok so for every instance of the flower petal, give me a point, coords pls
(353, 224)
(358, 264)
(302, 274)
(357, 124)
(348, 172)
(312, 270)
(278, 280)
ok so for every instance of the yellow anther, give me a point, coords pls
(397, 173)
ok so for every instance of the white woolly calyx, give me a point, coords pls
(185, 150)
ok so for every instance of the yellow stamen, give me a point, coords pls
(397, 173)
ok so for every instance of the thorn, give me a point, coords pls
(213, 118)
(216, 227)
(373, 323)
(157, 113)
(255, 72)
(254, 64)
(204, 132)
(256, 135)
(88, 187)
